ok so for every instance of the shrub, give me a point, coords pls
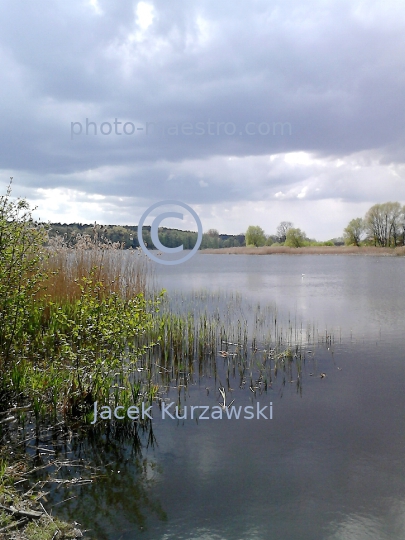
(22, 275)
(74, 321)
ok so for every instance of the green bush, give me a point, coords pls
(22, 274)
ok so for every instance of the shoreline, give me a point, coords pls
(310, 250)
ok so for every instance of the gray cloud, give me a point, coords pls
(332, 71)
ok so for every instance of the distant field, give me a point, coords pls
(316, 250)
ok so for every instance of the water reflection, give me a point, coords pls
(95, 474)
(330, 463)
(360, 294)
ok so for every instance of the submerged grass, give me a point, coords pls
(223, 336)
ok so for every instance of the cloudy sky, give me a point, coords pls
(250, 112)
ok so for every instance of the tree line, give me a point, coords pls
(383, 225)
(126, 236)
(286, 235)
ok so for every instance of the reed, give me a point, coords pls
(123, 272)
(213, 335)
(73, 314)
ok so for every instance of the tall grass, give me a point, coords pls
(73, 315)
(123, 272)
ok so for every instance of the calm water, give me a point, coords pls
(359, 293)
(329, 465)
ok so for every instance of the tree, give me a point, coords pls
(353, 232)
(255, 236)
(383, 223)
(295, 238)
(271, 239)
(282, 230)
(214, 238)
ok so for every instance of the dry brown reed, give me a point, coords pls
(310, 250)
(125, 272)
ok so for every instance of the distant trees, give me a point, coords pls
(230, 240)
(385, 224)
(282, 230)
(353, 232)
(295, 238)
(213, 240)
(172, 238)
(210, 239)
(271, 239)
(127, 236)
(255, 236)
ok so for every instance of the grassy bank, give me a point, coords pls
(314, 250)
(22, 515)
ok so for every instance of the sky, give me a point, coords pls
(250, 112)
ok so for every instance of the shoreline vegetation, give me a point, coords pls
(309, 250)
(83, 322)
(383, 226)
(75, 323)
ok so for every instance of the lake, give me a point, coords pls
(328, 465)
